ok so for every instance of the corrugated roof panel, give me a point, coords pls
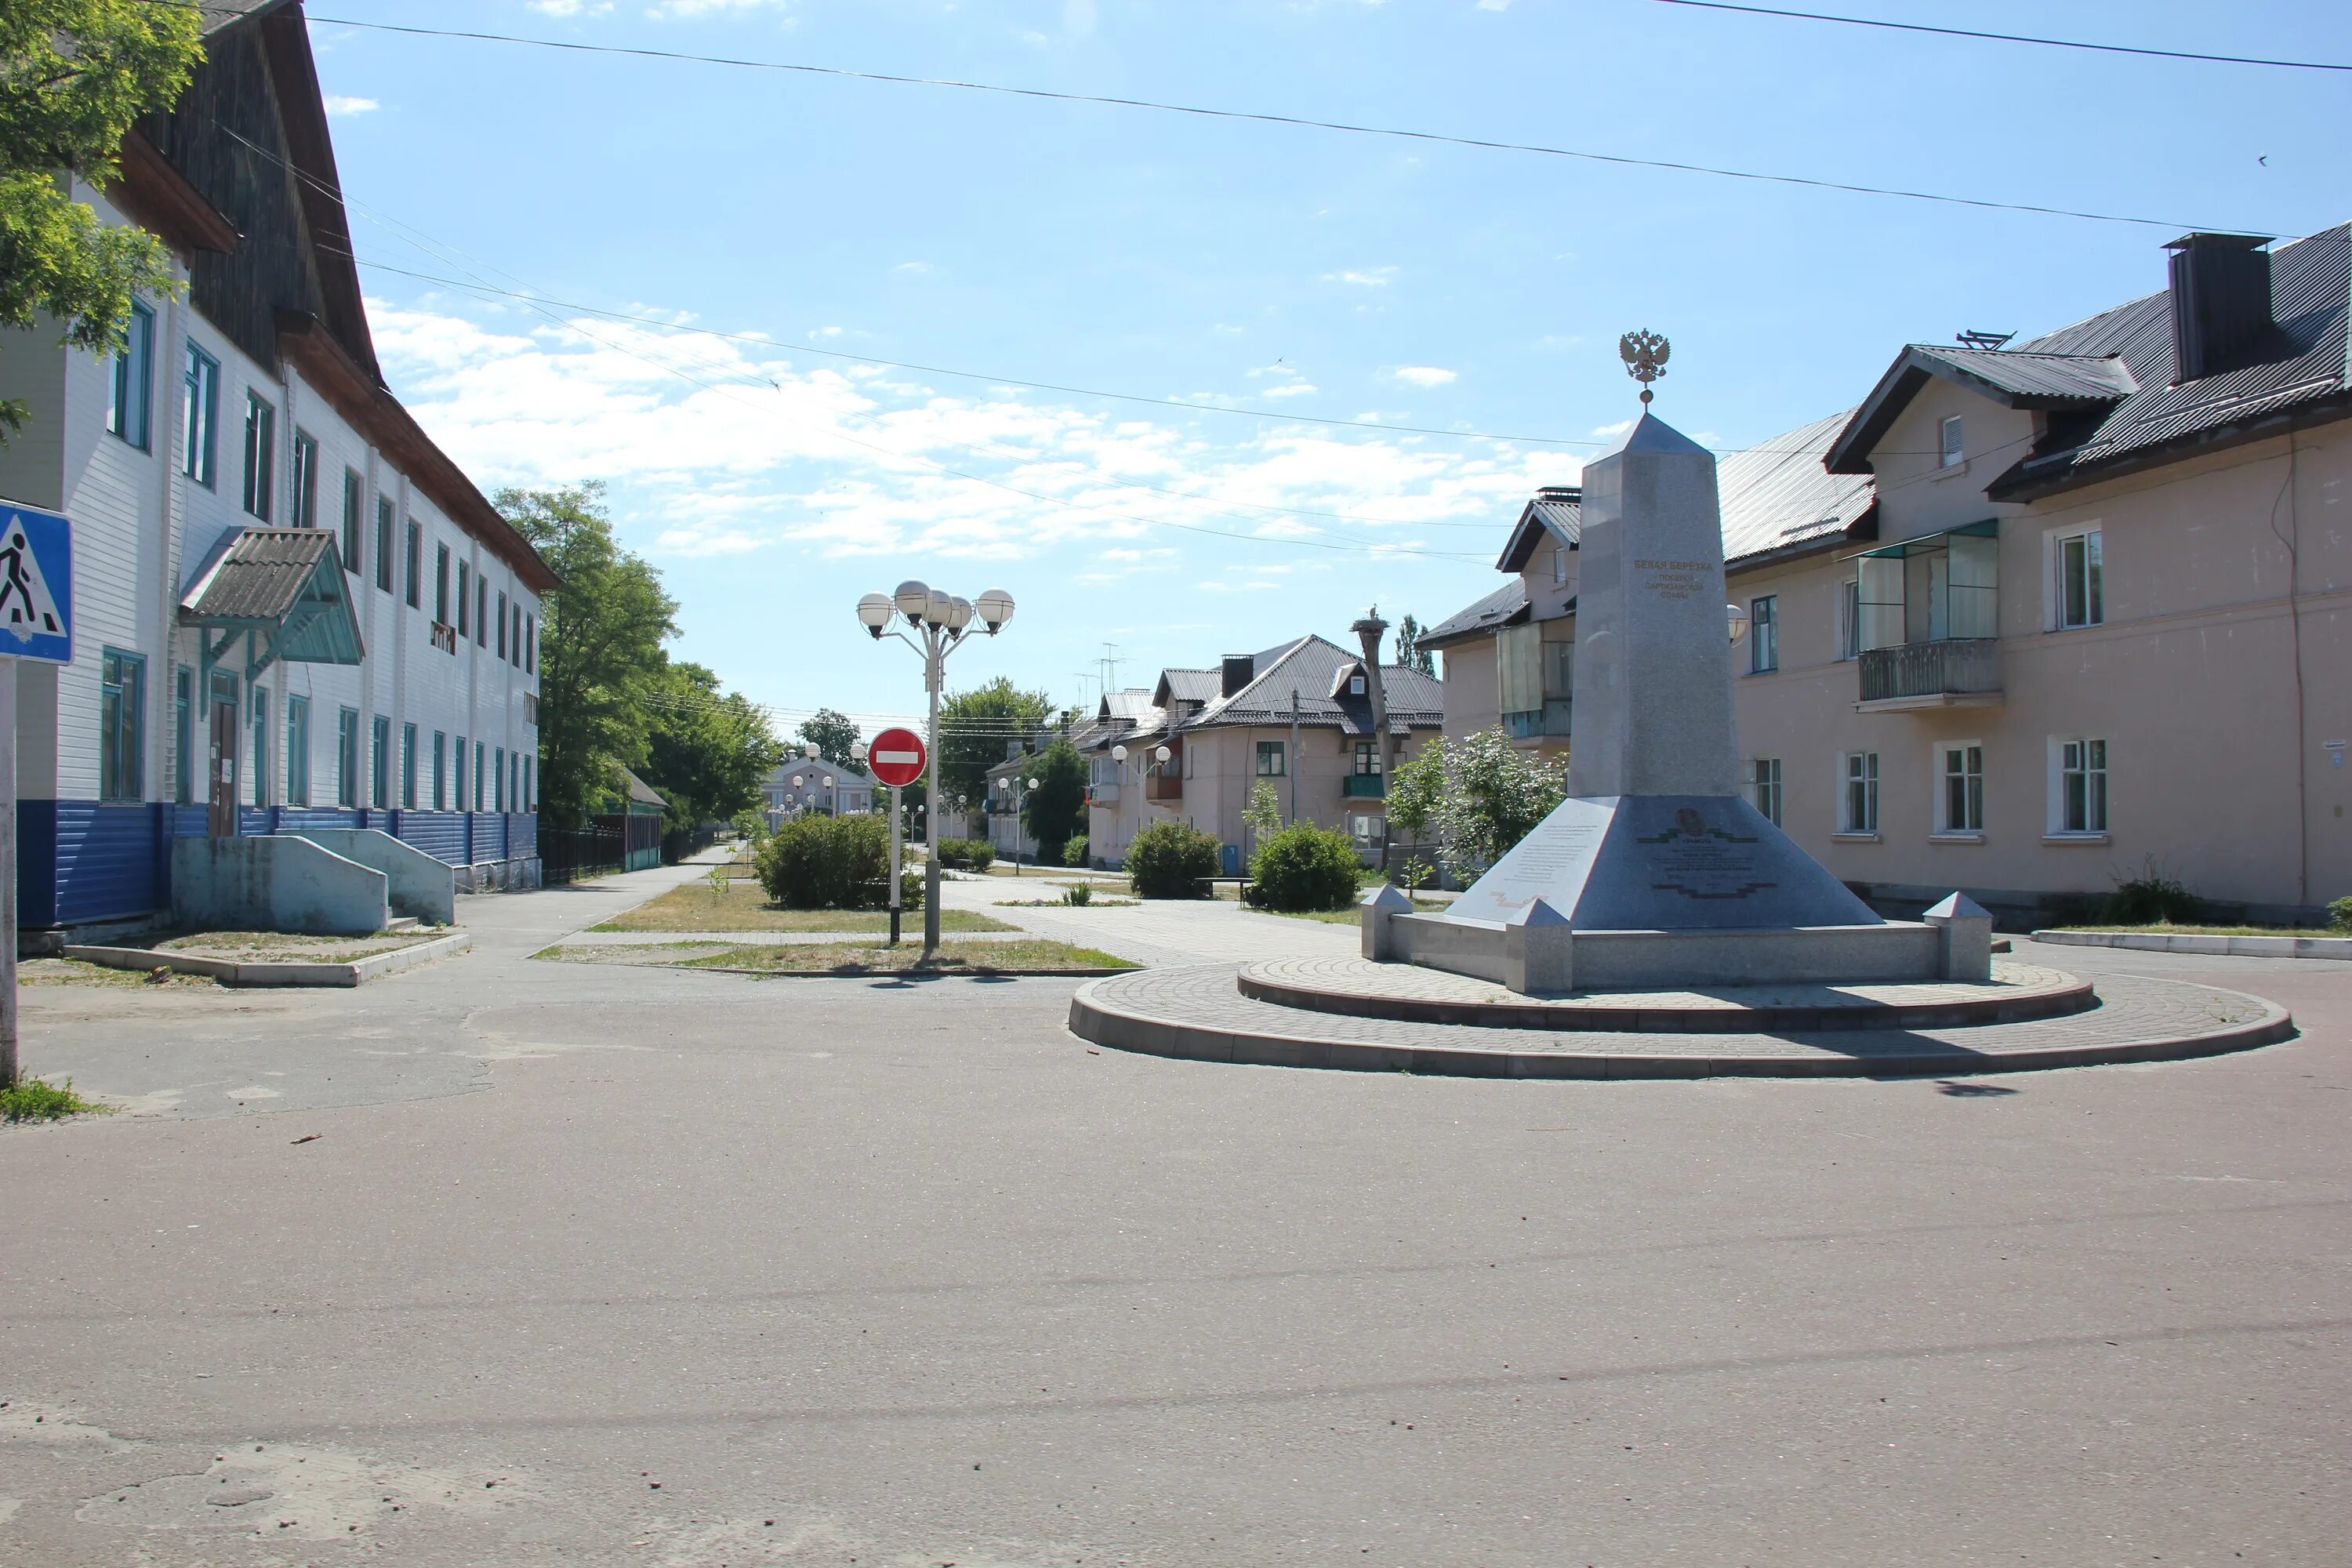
(1777, 493)
(1496, 609)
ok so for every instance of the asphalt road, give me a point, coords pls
(587, 1265)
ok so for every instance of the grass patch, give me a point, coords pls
(2167, 928)
(654, 954)
(30, 1099)
(953, 958)
(287, 947)
(74, 972)
(1351, 915)
(744, 906)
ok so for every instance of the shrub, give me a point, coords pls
(1480, 794)
(2340, 914)
(1074, 853)
(2150, 896)
(1305, 868)
(967, 854)
(1171, 860)
(816, 862)
(1078, 893)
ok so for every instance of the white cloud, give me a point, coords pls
(339, 106)
(914, 269)
(1608, 431)
(1422, 375)
(1288, 389)
(1493, 4)
(571, 8)
(1363, 277)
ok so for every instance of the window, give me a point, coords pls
(132, 386)
(347, 758)
(498, 781)
(1764, 787)
(414, 580)
(384, 545)
(1959, 802)
(530, 645)
(1858, 793)
(2081, 805)
(515, 648)
(1954, 447)
(458, 791)
(306, 479)
(259, 726)
(1368, 758)
(260, 454)
(440, 771)
(481, 613)
(380, 764)
(502, 626)
(122, 722)
(481, 756)
(528, 785)
(441, 584)
(1269, 760)
(1355, 686)
(1558, 564)
(354, 492)
(1850, 619)
(184, 733)
(297, 749)
(408, 766)
(2082, 591)
(464, 573)
(200, 417)
(1764, 634)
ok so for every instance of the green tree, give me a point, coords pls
(602, 668)
(975, 727)
(1480, 794)
(1055, 811)
(1409, 651)
(833, 735)
(74, 74)
(706, 751)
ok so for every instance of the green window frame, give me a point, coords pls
(380, 763)
(408, 767)
(122, 726)
(184, 733)
(260, 454)
(416, 587)
(383, 542)
(131, 387)
(200, 417)
(297, 749)
(1271, 761)
(306, 479)
(440, 770)
(354, 502)
(258, 726)
(347, 758)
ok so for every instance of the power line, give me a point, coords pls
(2012, 37)
(1261, 118)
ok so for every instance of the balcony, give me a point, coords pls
(1550, 721)
(445, 637)
(1364, 786)
(1103, 794)
(1164, 786)
(1957, 673)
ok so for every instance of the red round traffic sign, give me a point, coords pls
(896, 757)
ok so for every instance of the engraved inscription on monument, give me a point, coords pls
(1672, 579)
(1705, 862)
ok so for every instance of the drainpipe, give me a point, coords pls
(1369, 632)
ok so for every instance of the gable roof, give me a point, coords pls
(1779, 495)
(2014, 378)
(1188, 686)
(1309, 667)
(284, 584)
(1554, 513)
(1505, 607)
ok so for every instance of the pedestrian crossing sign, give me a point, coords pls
(36, 584)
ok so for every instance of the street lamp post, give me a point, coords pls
(943, 622)
(1159, 758)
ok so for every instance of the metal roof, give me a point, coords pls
(219, 15)
(1188, 686)
(1555, 511)
(2014, 378)
(1507, 605)
(1309, 667)
(282, 584)
(1777, 494)
(639, 791)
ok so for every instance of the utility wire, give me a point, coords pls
(1261, 118)
(2013, 38)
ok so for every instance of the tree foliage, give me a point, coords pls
(1172, 859)
(1409, 651)
(1055, 811)
(1303, 866)
(1479, 795)
(833, 735)
(834, 863)
(706, 751)
(973, 729)
(74, 74)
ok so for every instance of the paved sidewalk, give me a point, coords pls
(1160, 932)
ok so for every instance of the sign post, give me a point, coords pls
(35, 623)
(896, 757)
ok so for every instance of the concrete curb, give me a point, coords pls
(2339, 947)
(1123, 1029)
(229, 971)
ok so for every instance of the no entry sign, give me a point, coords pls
(896, 757)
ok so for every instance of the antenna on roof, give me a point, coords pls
(1973, 339)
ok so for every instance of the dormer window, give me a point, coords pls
(1355, 686)
(1952, 443)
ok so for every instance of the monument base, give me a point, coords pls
(1889, 953)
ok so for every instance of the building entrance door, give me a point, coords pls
(221, 709)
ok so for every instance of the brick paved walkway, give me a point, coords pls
(1199, 1013)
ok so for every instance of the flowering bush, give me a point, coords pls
(1479, 795)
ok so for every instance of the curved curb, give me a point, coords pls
(1599, 1018)
(2337, 947)
(1104, 1024)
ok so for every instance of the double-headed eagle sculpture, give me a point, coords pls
(1645, 353)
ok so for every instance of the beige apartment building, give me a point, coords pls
(1298, 717)
(2032, 617)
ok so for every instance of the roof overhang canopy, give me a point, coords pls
(281, 591)
(1929, 543)
(2012, 378)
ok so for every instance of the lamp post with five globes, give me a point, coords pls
(941, 621)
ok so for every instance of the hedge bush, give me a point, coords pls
(1074, 853)
(816, 862)
(1171, 860)
(2340, 914)
(2154, 896)
(967, 854)
(1305, 868)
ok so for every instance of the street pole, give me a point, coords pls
(8, 871)
(898, 878)
(1294, 756)
(931, 661)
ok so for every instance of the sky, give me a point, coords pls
(536, 226)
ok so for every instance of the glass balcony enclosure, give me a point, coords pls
(1930, 612)
(1536, 678)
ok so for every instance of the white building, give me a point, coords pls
(812, 783)
(291, 608)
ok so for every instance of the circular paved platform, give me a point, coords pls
(1356, 987)
(1200, 1014)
